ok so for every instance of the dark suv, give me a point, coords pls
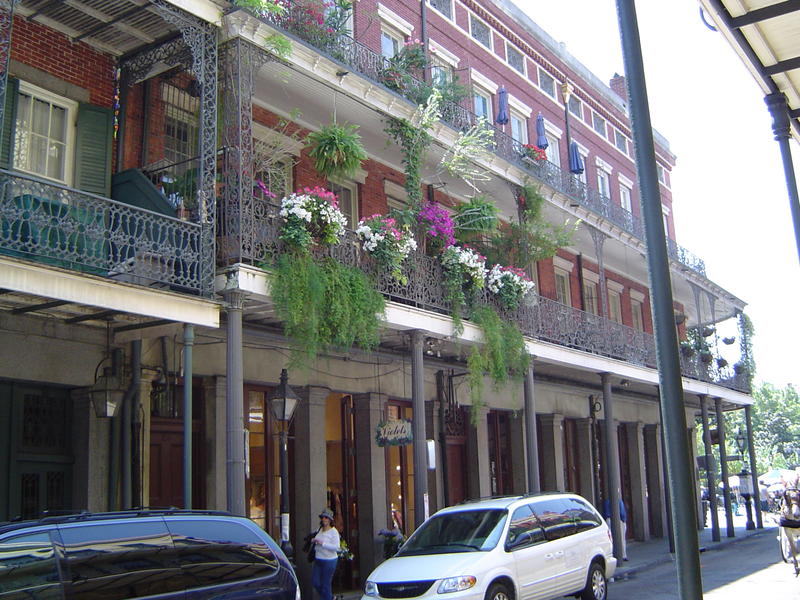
(155, 554)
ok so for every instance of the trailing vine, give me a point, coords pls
(746, 333)
(503, 355)
(324, 304)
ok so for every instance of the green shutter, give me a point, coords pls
(9, 117)
(93, 149)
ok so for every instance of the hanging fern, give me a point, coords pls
(324, 304)
(336, 150)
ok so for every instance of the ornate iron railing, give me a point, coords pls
(372, 65)
(68, 228)
(538, 318)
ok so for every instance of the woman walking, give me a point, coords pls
(326, 555)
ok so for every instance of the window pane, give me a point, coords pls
(625, 197)
(599, 124)
(621, 142)
(519, 129)
(38, 154)
(55, 163)
(58, 124)
(28, 568)
(480, 31)
(575, 106)
(515, 58)
(614, 307)
(389, 45)
(562, 287)
(556, 517)
(590, 297)
(346, 203)
(465, 531)
(482, 107)
(443, 6)
(41, 117)
(636, 315)
(547, 83)
(552, 152)
(524, 530)
(602, 183)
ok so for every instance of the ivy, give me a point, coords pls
(324, 304)
(746, 333)
(502, 355)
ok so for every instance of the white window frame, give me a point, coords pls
(604, 170)
(70, 119)
(546, 91)
(618, 135)
(563, 293)
(394, 21)
(444, 16)
(348, 184)
(393, 35)
(637, 310)
(513, 117)
(553, 135)
(478, 92)
(591, 302)
(595, 118)
(472, 16)
(396, 195)
(578, 103)
(665, 218)
(614, 290)
(512, 48)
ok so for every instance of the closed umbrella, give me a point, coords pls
(502, 106)
(575, 159)
(541, 138)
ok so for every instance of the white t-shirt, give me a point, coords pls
(329, 546)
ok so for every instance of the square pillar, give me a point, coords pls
(214, 393)
(519, 480)
(638, 514)
(654, 472)
(309, 480)
(373, 512)
(91, 467)
(551, 461)
(586, 462)
(478, 481)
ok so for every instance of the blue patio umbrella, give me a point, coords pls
(541, 138)
(575, 160)
(502, 106)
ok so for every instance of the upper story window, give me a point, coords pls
(590, 297)
(625, 197)
(637, 314)
(483, 104)
(562, 286)
(576, 106)
(44, 133)
(615, 306)
(662, 174)
(552, 151)
(599, 124)
(443, 6)
(347, 194)
(602, 183)
(391, 42)
(620, 141)
(519, 127)
(515, 58)
(480, 31)
(441, 71)
(547, 83)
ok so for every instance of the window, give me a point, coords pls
(515, 58)
(576, 106)
(347, 195)
(443, 6)
(625, 197)
(662, 174)
(599, 124)
(547, 83)
(614, 306)
(603, 186)
(562, 286)
(483, 105)
(441, 71)
(590, 297)
(637, 314)
(390, 43)
(524, 529)
(620, 141)
(519, 128)
(28, 567)
(556, 518)
(275, 182)
(44, 133)
(665, 217)
(480, 31)
(553, 155)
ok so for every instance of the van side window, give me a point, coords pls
(585, 517)
(524, 529)
(111, 561)
(556, 517)
(220, 552)
(28, 567)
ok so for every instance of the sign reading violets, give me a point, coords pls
(394, 432)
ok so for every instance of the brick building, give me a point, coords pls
(136, 249)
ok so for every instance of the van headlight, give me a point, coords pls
(456, 584)
(371, 589)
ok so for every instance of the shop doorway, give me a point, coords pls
(500, 451)
(400, 475)
(262, 471)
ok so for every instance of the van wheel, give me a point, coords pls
(497, 591)
(785, 544)
(596, 586)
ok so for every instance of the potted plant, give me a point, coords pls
(388, 242)
(722, 363)
(706, 357)
(509, 284)
(728, 340)
(311, 215)
(336, 150)
(534, 153)
(739, 368)
(464, 272)
(438, 229)
(687, 349)
(707, 331)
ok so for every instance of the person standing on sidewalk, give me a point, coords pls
(623, 517)
(326, 556)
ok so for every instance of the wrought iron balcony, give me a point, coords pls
(361, 59)
(52, 224)
(539, 318)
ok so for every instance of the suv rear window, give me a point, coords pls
(28, 568)
(462, 531)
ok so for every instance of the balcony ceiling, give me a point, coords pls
(766, 36)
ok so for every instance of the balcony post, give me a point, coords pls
(613, 490)
(234, 406)
(531, 442)
(599, 239)
(188, 343)
(751, 451)
(711, 481)
(723, 464)
(418, 425)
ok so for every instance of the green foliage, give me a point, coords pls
(475, 217)
(746, 333)
(278, 44)
(461, 159)
(502, 355)
(324, 304)
(336, 150)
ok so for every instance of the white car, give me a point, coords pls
(535, 547)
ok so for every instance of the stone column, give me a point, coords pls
(432, 429)
(531, 441)
(551, 461)
(234, 402)
(723, 463)
(214, 394)
(654, 471)
(585, 460)
(418, 426)
(91, 467)
(478, 481)
(638, 515)
(614, 489)
(141, 425)
(370, 480)
(310, 481)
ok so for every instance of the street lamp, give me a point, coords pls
(282, 402)
(745, 483)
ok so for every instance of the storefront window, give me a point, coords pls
(400, 477)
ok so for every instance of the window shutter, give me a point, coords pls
(9, 118)
(93, 149)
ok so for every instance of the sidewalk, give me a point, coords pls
(643, 555)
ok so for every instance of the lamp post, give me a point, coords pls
(283, 401)
(745, 482)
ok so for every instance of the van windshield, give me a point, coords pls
(463, 531)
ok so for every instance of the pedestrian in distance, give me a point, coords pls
(326, 555)
(623, 517)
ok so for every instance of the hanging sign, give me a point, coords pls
(394, 432)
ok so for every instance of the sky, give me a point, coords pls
(730, 201)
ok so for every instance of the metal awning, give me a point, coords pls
(766, 36)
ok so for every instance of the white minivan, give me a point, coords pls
(535, 547)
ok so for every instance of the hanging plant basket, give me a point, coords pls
(706, 357)
(687, 350)
(722, 363)
(739, 368)
(336, 150)
(679, 318)
(728, 340)
(707, 331)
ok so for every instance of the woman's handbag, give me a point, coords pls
(309, 547)
(312, 553)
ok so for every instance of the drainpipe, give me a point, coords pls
(579, 260)
(531, 437)
(123, 106)
(441, 396)
(423, 33)
(188, 343)
(128, 408)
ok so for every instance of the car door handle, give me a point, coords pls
(548, 556)
(559, 554)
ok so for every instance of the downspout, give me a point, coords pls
(123, 106)
(131, 398)
(423, 33)
(441, 396)
(579, 259)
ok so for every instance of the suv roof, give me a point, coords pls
(501, 501)
(6, 526)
